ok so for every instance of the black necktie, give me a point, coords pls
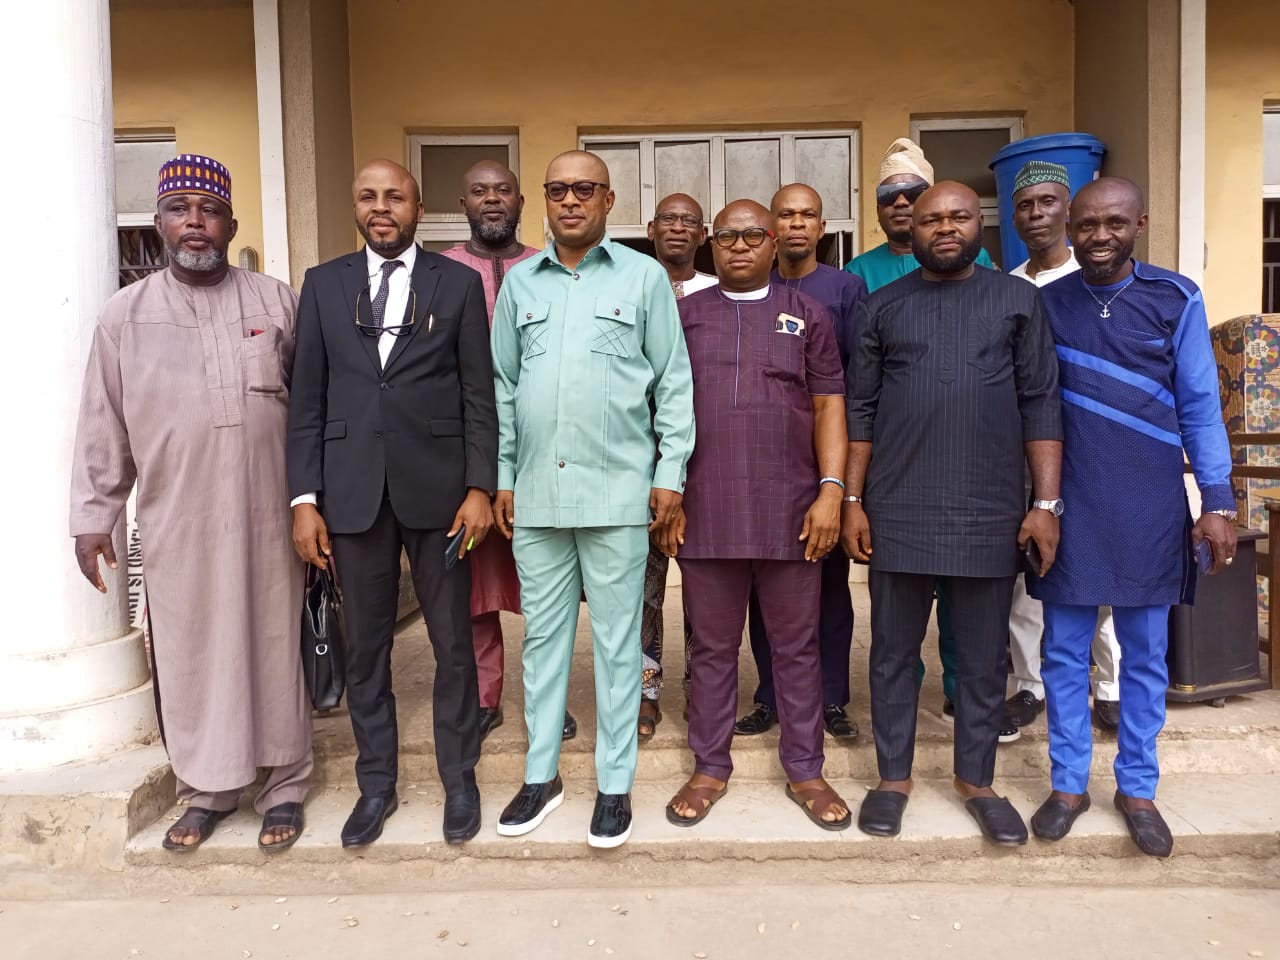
(380, 300)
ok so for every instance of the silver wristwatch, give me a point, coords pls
(1053, 506)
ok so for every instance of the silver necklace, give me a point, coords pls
(1106, 306)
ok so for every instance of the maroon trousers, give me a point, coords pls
(715, 594)
(486, 636)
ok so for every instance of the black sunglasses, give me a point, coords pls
(371, 329)
(582, 189)
(752, 237)
(887, 194)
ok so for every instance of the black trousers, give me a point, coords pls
(900, 607)
(368, 567)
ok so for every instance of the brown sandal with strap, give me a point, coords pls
(647, 723)
(815, 797)
(700, 797)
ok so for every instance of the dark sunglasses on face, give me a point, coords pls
(887, 194)
(671, 219)
(752, 237)
(582, 189)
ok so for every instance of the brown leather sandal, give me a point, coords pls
(815, 797)
(647, 723)
(701, 797)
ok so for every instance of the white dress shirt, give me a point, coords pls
(1070, 265)
(398, 287)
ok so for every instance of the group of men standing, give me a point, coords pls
(408, 398)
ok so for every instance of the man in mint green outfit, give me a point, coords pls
(591, 376)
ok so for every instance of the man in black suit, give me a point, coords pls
(393, 443)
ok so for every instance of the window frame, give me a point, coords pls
(1270, 191)
(453, 227)
(1014, 123)
(648, 139)
(140, 219)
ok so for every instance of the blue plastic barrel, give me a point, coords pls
(1080, 153)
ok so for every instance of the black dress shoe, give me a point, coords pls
(462, 815)
(761, 718)
(530, 807)
(998, 820)
(1022, 708)
(570, 727)
(881, 813)
(490, 717)
(837, 722)
(365, 823)
(611, 821)
(1055, 817)
(1107, 713)
(1147, 828)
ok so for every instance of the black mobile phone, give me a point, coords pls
(452, 548)
(1031, 553)
(1204, 556)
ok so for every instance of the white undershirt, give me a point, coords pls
(397, 302)
(760, 294)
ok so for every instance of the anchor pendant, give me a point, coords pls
(1106, 311)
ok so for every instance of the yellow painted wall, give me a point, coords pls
(191, 69)
(553, 70)
(1242, 73)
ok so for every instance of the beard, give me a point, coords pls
(493, 234)
(205, 262)
(385, 248)
(1102, 274)
(796, 255)
(953, 263)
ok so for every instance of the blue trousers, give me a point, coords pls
(1143, 633)
(835, 635)
(555, 564)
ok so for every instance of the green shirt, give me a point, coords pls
(881, 266)
(592, 376)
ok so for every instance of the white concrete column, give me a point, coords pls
(1191, 149)
(74, 679)
(275, 219)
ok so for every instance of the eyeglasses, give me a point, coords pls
(671, 219)
(582, 189)
(887, 194)
(752, 237)
(371, 329)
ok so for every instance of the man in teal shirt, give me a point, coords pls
(591, 374)
(904, 175)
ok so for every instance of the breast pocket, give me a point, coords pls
(614, 331)
(532, 327)
(990, 344)
(260, 358)
(783, 356)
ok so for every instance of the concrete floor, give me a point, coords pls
(626, 922)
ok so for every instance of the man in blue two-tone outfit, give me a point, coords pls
(1139, 386)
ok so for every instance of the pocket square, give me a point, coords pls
(786, 323)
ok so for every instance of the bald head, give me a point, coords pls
(492, 203)
(1106, 221)
(741, 266)
(946, 230)
(681, 202)
(797, 221)
(388, 206)
(578, 222)
(577, 165)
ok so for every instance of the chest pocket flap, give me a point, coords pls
(615, 327)
(531, 325)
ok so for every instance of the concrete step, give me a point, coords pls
(1226, 829)
(1242, 738)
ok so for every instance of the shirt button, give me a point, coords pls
(617, 312)
(384, 386)
(562, 463)
(377, 434)
(575, 276)
(528, 316)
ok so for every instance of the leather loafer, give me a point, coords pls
(998, 820)
(530, 807)
(462, 815)
(1054, 819)
(881, 813)
(1147, 828)
(570, 727)
(761, 718)
(1022, 708)
(365, 823)
(490, 719)
(1107, 713)
(611, 821)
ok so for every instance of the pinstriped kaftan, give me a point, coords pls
(186, 391)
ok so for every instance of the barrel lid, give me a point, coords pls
(1049, 141)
